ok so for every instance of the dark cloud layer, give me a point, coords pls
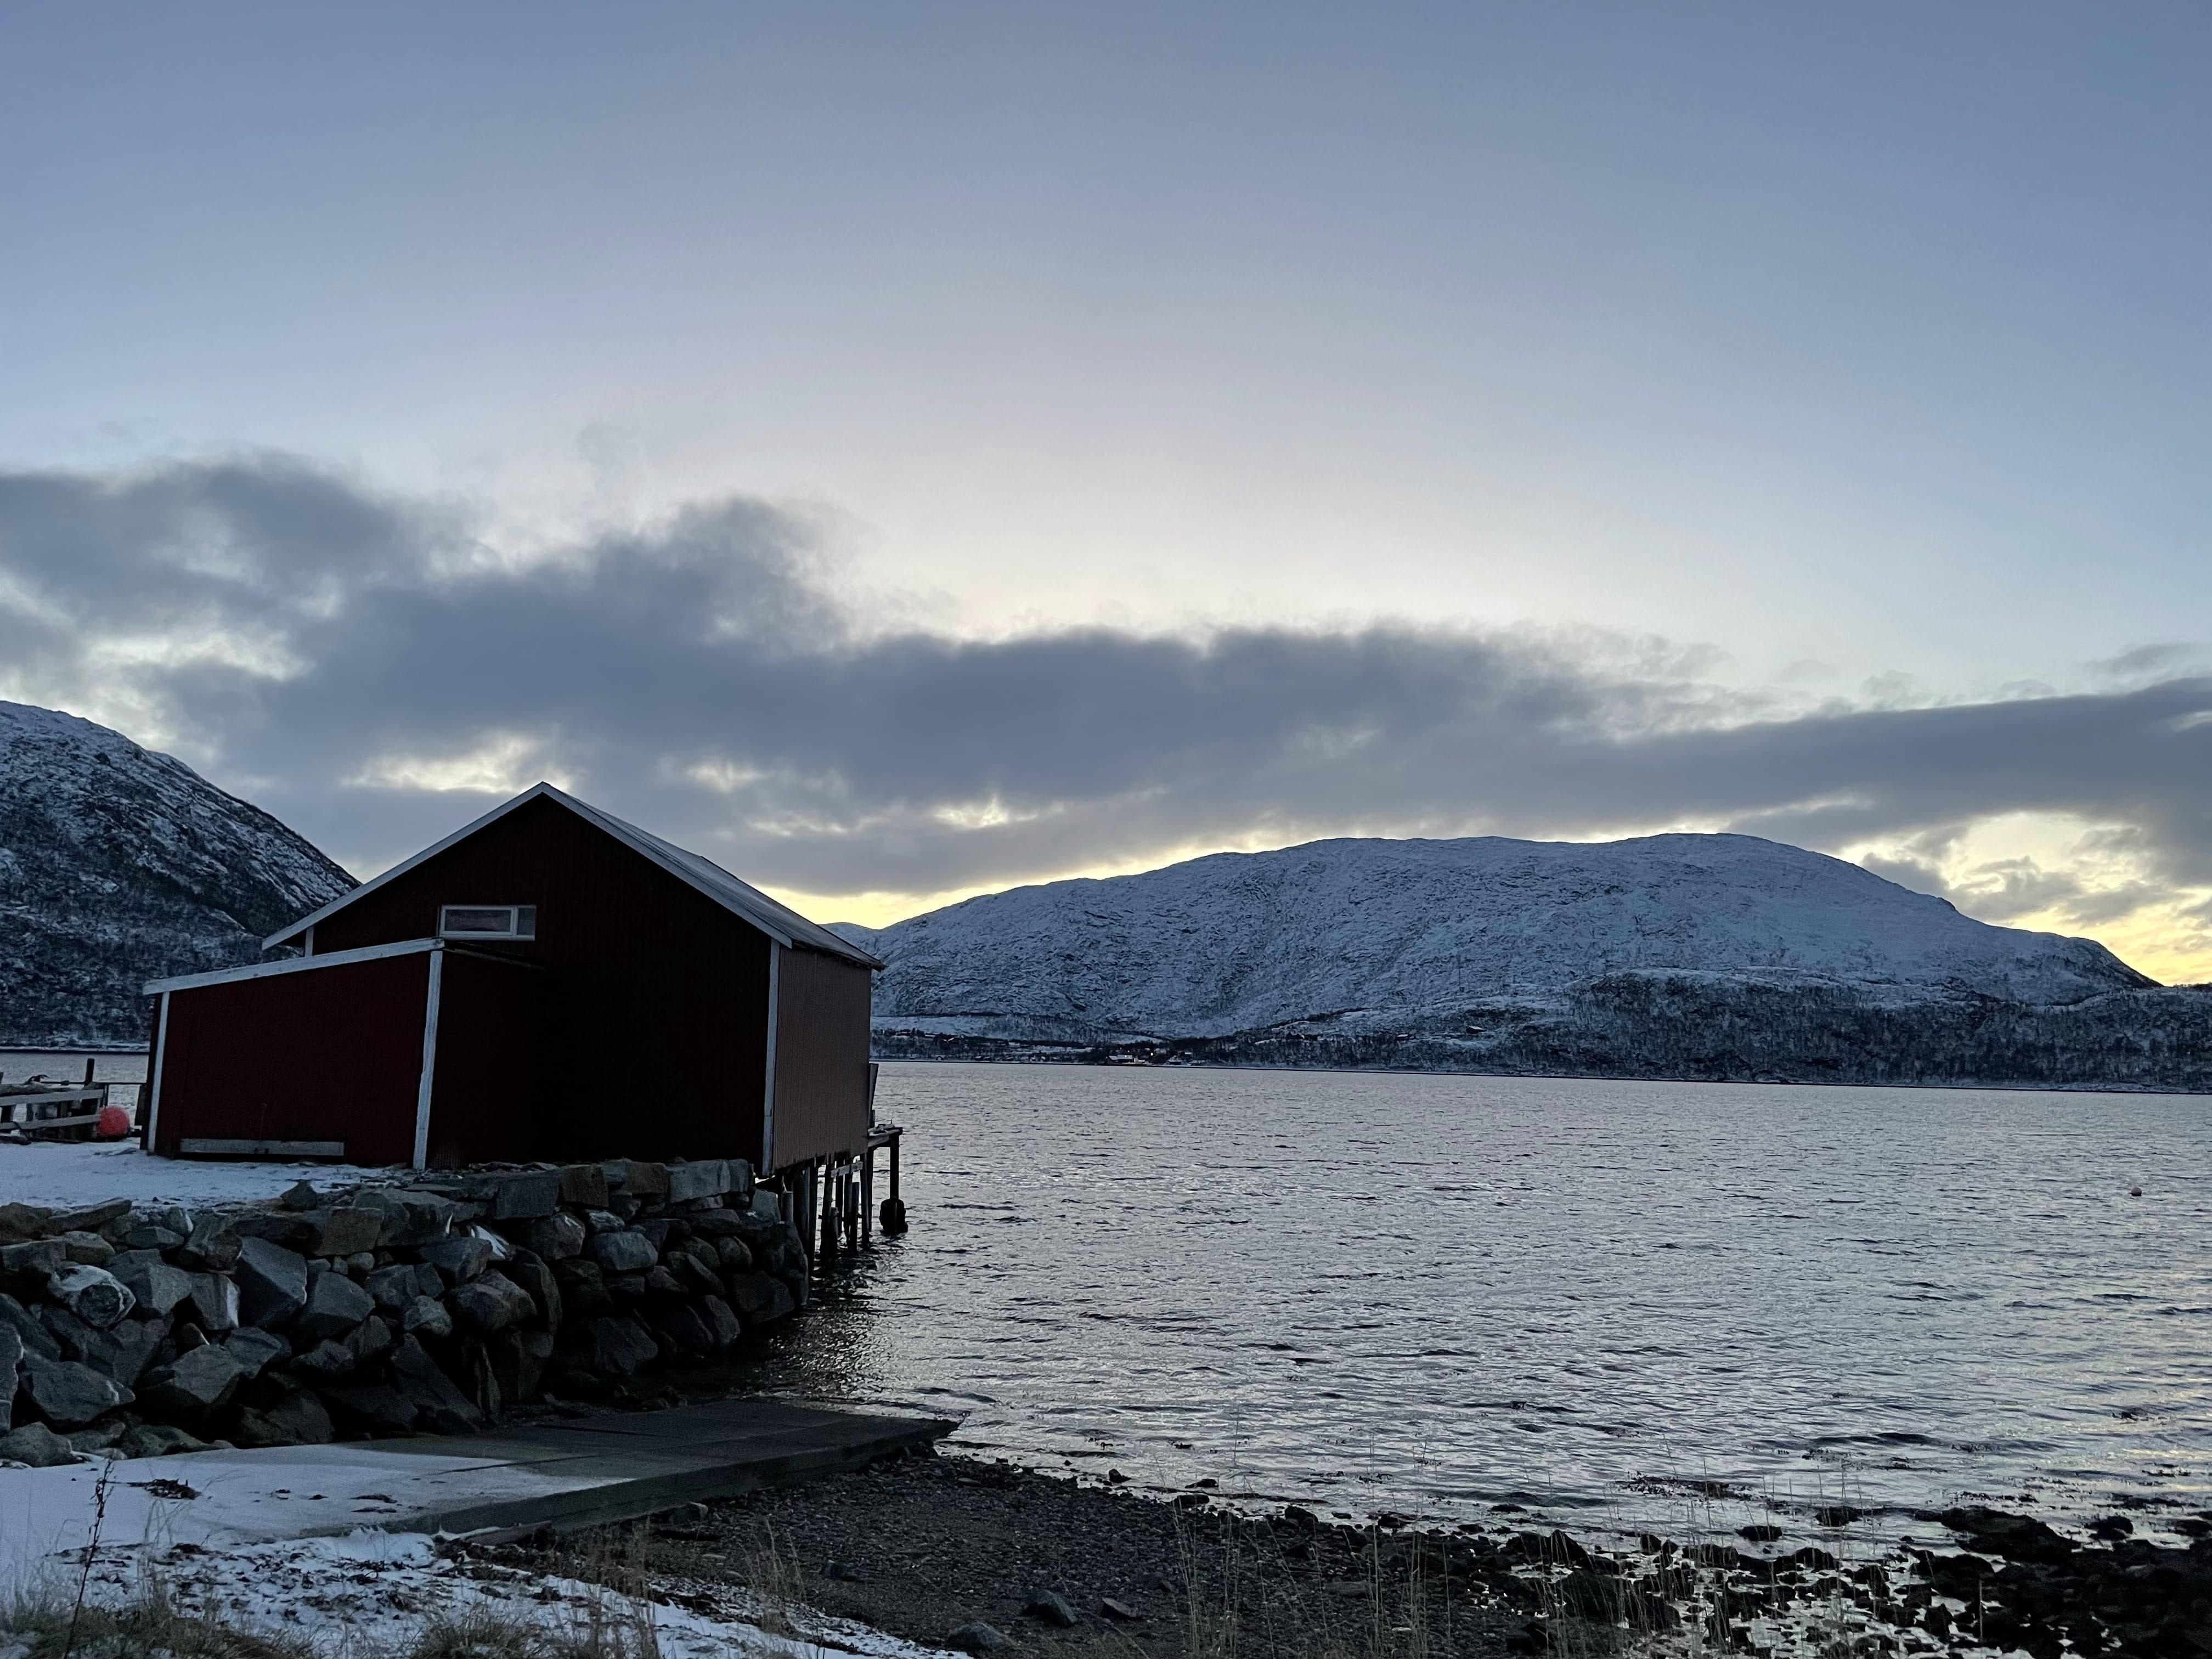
(327, 644)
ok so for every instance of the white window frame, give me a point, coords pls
(521, 922)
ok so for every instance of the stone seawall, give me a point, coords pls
(428, 1307)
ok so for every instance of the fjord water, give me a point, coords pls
(1670, 1305)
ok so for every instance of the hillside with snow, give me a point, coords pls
(1679, 954)
(117, 866)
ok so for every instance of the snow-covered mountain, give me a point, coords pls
(117, 866)
(1679, 954)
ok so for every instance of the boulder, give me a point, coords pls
(537, 1282)
(89, 1249)
(521, 1197)
(157, 1285)
(199, 1384)
(93, 1294)
(345, 1230)
(409, 1218)
(427, 1317)
(35, 1261)
(518, 1360)
(722, 1319)
(212, 1246)
(698, 1276)
(612, 1346)
(584, 1185)
(439, 1406)
(395, 1287)
(119, 1353)
(1052, 1608)
(272, 1282)
(710, 1178)
(558, 1236)
(214, 1302)
(760, 1298)
(458, 1260)
(38, 1445)
(737, 1257)
(70, 1394)
(687, 1330)
(11, 1363)
(301, 1195)
(373, 1407)
(152, 1236)
(490, 1302)
(625, 1252)
(297, 1419)
(20, 1221)
(583, 1289)
(157, 1440)
(256, 1350)
(716, 1224)
(634, 1179)
(335, 1305)
(327, 1361)
(626, 1290)
(604, 1221)
(372, 1338)
(977, 1637)
(36, 1337)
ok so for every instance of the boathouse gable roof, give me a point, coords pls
(780, 922)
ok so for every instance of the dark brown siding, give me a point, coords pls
(329, 1054)
(656, 997)
(821, 1057)
(487, 1099)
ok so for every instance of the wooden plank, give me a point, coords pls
(191, 1148)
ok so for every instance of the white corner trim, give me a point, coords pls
(156, 988)
(429, 1057)
(767, 1092)
(152, 1113)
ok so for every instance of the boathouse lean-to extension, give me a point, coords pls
(547, 983)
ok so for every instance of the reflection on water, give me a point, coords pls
(1650, 1304)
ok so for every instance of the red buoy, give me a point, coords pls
(113, 1123)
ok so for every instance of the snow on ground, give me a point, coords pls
(223, 1550)
(70, 1174)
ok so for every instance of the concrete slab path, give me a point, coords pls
(590, 1470)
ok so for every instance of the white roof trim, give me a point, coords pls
(293, 965)
(780, 923)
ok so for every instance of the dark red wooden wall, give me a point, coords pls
(821, 1057)
(329, 1054)
(655, 1003)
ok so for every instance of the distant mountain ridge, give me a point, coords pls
(119, 865)
(1690, 955)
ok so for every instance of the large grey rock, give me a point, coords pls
(89, 1249)
(91, 1219)
(326, 1361)
(977, 1637)
(198, 1385)
(736, 1255)
(371, 1339)
(36, 1337)
(409, 1218)
(256, 1350)
(395, 1287)
(519, 1197)
(157, 1285)
(69, 1393)
(761, 1298)
(38, 1445)
(11, 1362)
(427, 1317)
(558, 1236)
(119, 1353)
(335, 1305)
(214, 1302)
(612, 1346)
(696, 1268)
(625, 1252)
(212, 1246)
(492, 1302)
(722, 1320)
(440, 1405)
(297, 1419)
(272, 1283)
(686, 1329)
(544, 1290)
(93, 1294)
(158, 1440)
(710, 1178)
(584, 1185)
(35, 1260)
(458, 1260)
(344, 1231)
(375, 1407)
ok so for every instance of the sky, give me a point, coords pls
(905, 452)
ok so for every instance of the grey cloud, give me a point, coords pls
(332, 629)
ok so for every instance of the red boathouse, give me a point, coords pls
(548, 983)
